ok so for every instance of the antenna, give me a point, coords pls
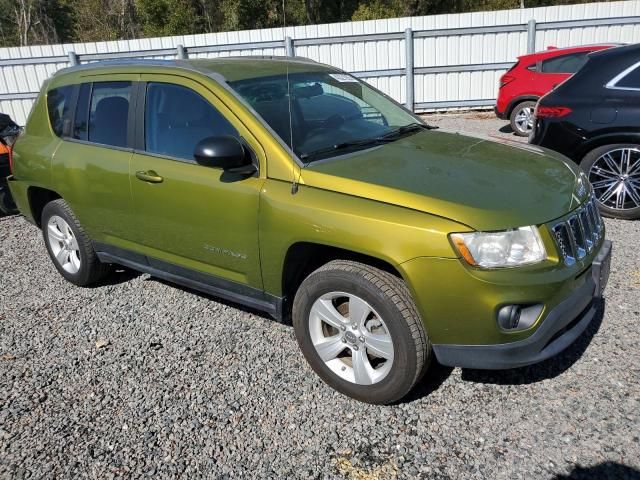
(294, 185)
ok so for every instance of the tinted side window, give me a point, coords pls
(177, 118)
(565, 64)
(630, 80)
(109, 113)
(81, 119)
(59, 107)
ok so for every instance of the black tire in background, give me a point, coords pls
(593, 164)
(7, 205)
(391, 299)
(519, 109)
(91, 270)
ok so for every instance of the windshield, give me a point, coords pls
(329, 110)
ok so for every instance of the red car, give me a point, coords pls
(532, 77)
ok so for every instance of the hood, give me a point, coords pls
(484, 184)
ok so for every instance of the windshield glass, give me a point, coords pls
(328, 110)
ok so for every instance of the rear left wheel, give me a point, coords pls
(359, 329)
(69, 246)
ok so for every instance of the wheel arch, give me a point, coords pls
(38, 197)
(302, 258)
(603, 140)
(518, 100)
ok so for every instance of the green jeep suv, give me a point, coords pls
(294, 188)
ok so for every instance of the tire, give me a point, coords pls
(519, 115)
(65, 238)
(606, 175)
(392, 319)
(7, 206)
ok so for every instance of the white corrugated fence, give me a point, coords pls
(454, 60)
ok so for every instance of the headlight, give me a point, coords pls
(500, 249)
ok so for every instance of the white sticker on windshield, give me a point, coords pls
(342, 77)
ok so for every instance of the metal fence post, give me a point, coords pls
(408, 48)
(73, 58)
(288, 46)
(181, 52)
(531, 36)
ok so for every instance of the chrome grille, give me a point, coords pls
(578, 233)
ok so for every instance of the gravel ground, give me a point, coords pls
(138, 377)
(475, 122)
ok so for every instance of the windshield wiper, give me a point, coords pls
(412, 127)
(387, 137)
(341, 146)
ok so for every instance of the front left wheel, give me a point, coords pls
(69, 246)
(360, 331)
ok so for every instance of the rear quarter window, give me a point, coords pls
(59, 108)
(565, 64)
(630, 80)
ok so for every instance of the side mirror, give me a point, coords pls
(224, 152)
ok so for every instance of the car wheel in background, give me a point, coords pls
(69, 247)
(360, 330)
(7, 206)
(522, 118)
(614, 172)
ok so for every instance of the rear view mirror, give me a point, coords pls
(224, 152)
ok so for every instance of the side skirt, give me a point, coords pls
(203, 282)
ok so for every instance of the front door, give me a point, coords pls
(193, 217)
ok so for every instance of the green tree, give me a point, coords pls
(169, 17)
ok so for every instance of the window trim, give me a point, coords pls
(613, 83)
(76, 97)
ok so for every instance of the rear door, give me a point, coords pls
(91, 166)
(192, 217)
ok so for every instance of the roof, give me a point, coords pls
(553, 51)
(629, 52)
(229, 68)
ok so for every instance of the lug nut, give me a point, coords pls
(354, 326)
(343, 328)
(355, 347)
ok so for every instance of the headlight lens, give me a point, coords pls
(511, 248)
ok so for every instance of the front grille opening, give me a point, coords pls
(577, 234)
(578, 237)
(563, 241)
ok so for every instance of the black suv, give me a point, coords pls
(594, 119)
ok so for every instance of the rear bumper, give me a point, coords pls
(499, 114)
(561, 327)
(18, 190)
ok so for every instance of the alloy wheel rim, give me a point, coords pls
(615, 177)
(524, 119)
(351, 338)
(63, 244)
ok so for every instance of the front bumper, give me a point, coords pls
(561, 327)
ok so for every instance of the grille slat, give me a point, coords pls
(577, 234)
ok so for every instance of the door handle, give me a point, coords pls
(149, 176)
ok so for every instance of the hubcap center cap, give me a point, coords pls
(351, 337)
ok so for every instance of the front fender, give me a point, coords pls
(390, 233)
